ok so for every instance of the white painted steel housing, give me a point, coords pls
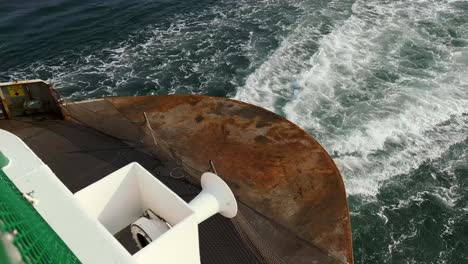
(87, 220)
(121, 199)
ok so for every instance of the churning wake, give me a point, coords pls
(382, 85)
(384, 91)
(206, 50)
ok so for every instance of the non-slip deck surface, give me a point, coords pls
(79, 156)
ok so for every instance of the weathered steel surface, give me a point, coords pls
(80, 156)
(271, 164)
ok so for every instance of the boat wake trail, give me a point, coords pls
(382, 85)
(385, 89)
(206, 50)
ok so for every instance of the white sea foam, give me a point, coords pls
(339, 71)
(276, 79)
(410, 113)
(195, 53)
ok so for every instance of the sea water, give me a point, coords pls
(382, 84)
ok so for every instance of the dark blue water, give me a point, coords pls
(383, 85)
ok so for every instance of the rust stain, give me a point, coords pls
(271, 164)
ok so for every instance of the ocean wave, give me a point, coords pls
(381, 84)
(204, 51)
(384, 91)
(419, 217)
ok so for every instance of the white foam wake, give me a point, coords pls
(276, 79)
(384, 91)
(198, 52)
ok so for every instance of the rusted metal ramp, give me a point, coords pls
(293, 201)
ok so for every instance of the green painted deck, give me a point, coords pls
(34, 238)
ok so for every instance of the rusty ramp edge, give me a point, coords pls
(273, 166)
